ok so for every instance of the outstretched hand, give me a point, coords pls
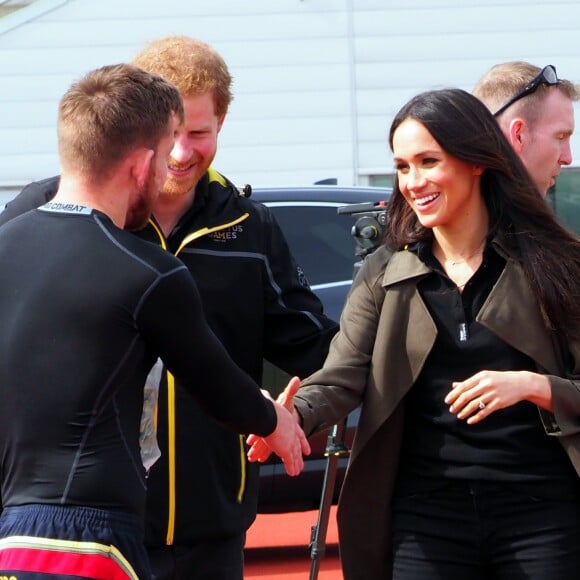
(259, 450)
(288, 440)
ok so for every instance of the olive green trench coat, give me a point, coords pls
(386, 334)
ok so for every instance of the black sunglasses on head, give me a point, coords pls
(547, 76)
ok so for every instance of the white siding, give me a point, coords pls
(316, 82)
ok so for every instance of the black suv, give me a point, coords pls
(320, 223)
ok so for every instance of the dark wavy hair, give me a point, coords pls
(548, 252)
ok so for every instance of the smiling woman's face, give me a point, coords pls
(441, 189)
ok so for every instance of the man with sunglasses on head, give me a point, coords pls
(535, 110)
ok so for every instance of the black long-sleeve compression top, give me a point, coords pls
(85, 309)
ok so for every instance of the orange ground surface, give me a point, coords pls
(277, 547)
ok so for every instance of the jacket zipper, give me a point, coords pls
(171, 458)
(242, 488)
(171, 504)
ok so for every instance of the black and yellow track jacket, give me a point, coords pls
(255, 300)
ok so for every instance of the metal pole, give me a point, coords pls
(335, 449)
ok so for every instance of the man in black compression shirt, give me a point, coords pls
(202, 493)
(86, 309)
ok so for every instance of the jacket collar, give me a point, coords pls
(216, 200)
(511, 310)
(404, 265)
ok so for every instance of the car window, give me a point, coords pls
(568, 210)
(566, 198)
(319, 239)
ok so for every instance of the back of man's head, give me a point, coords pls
(193, 66)
(505, 80)
(108, 113)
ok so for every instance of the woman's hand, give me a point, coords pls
(488, 391)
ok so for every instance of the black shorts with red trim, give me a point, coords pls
(39, 542)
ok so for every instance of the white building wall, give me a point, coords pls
(403, 48)
(316, 82)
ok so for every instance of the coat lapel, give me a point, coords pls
(406, 334)
(512, 312)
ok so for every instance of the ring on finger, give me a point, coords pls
(481, 405)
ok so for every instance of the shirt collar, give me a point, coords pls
(416, 260)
